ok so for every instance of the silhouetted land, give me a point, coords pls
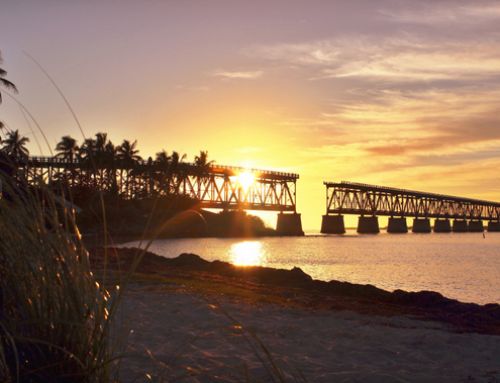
(296, 288)
(164, 217)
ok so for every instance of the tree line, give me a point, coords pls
(99, 149)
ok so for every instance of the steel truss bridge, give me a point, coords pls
(355, 198)
(214, 186)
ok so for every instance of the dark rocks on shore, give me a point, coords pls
(334, 294)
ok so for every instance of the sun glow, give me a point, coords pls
(248, 253)
(245, 179)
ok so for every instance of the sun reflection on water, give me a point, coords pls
(247, 253)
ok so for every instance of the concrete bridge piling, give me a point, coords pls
(333, 224)
(460, 226)
(289, 224)
(368, 225)
(421, 225)
(397, 225)
(442, 226)
(476, 226)
(494, 226)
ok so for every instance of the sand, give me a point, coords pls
(190, 337)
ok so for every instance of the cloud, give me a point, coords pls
(399, 60)
(443, 12)
(393, 134)
(239, 74)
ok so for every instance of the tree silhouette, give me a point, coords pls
(128, 153)
(201, 160)
(175, 163)
(176, 159)
(67, 148)
(14, 145)
(88, 149)
(4, 83)
(163, 159)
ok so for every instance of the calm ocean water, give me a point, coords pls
(462, 266)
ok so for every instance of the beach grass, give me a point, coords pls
(55, 317)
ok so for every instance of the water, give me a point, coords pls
(463, 266)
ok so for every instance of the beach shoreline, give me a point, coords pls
(294, 288)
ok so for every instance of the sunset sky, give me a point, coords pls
(397, 93)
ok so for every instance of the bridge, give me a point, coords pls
(214, 186)
(371, 201)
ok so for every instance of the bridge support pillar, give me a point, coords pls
(476, 226)
(460, 226)
(397, 225)
(442, 226)
(493, 226)
(289, 224)
(421, 225)
(368, 225)
(333, 224)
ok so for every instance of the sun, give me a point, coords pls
(246, 179)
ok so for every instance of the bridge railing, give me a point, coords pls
(185, 166)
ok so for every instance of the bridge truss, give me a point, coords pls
(214, 186)
(355, 198)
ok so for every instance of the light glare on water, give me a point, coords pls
(247, 253)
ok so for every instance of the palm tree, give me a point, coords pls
(67, 148)
(175, 160)
(163, 159)
(87, 150)
(128, 153)
(101, 140)
(14, 145)
(109, 159)
(201, 160)
(110, 152)
(101, 149)
(4, 83)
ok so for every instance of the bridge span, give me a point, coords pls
(371, 201)
(214, 186)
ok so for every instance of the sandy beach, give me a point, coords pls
(188, 337)
(190, 320)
